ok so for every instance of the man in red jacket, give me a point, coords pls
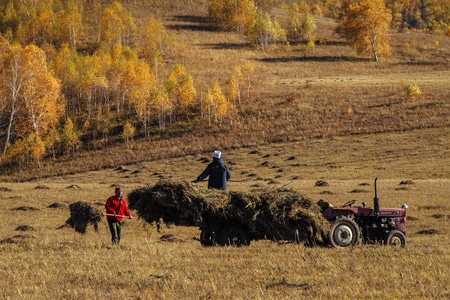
(116, 208)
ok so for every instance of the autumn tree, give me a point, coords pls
(295, 12)
(308, 28)
(12, 77)
(155, 43)
(234, 85)
(70, 135)
(92, 81)
(247, 71)
(128, 133)
(179, 86)
(69, 24)
(64, 68)
(215, 103)
(32, 94)
(52, 139)
(164, 107)
(266, 31)
(238, 15)
(116, 25)
(140, 89)
(365, 25)
(40, 92)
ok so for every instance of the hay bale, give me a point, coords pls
(278, 213)
(82, 215)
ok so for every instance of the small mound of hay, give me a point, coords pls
(277, 213)
(403, 182)
(321, 183)
(427, 231)
(170, 238)
(73, 186)
(41, 187)
(25, 208)
(56, 205)
(25, 228)
(19, 239)
(82, 215)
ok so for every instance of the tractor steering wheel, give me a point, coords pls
(349, 203)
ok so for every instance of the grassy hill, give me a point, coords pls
(295, 95)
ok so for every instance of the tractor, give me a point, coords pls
(350, 224)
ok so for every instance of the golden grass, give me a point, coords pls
(48, 262)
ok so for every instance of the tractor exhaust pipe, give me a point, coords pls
(376, 201)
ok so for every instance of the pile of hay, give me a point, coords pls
(82, 215)
(279, 214)
(169, 201)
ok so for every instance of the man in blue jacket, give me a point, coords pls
(218, 173)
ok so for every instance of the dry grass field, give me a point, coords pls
(42, 260)
(296, 129)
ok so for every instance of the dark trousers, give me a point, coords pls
(115, 227)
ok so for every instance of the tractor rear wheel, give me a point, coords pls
(344, 232)
(233, 236)
(395, 238)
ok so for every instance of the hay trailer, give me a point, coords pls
(233, 218)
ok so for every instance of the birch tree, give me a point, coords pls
(365, 25)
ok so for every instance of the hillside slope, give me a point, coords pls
(295, 95)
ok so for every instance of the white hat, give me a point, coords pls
(217, 154)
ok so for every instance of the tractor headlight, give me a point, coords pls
(404, 205)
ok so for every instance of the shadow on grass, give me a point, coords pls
(193, 23)
(227, 46)
(325, 58)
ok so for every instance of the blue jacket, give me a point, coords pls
(218, 173)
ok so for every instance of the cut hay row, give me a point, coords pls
(278, 214)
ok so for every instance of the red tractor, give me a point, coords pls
(350, 224)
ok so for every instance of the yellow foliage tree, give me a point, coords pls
(37, 150)
(234, 85)
(70, 135)
(155, 42)
(239, 15)
(140, 89)
(247, 71)
(215, 103)
(180, 88)
(365, 25)
(128, 133)
(116, 25)
(40, 92)
(69, 24)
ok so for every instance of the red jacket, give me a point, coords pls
(118, 206)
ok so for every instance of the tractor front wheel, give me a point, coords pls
(395, 238)
(344, 232)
